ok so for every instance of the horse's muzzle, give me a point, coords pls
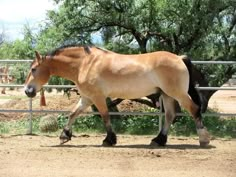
(30, 91)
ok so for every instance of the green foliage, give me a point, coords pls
(138, 125)
(175, 25)
(205, 30)
(84, 123)
(49, 38)
(18, 126)
(126, 124)
(20, 71)
(19, 49)
(90, 124)
(221, 127)
(147, 125)
(184, 125)
(61, 120)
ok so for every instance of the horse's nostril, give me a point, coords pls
(30, 89)
(30, 92)
(27, 92)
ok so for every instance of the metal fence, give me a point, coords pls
(30, 109)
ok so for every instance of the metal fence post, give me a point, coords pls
(29, 131)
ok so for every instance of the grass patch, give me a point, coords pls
(18, 126)
(13, 97)
(136, 125)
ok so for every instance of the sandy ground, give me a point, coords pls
(41, 156)
(224, 101)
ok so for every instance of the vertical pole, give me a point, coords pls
(160, 116)
(29, 132)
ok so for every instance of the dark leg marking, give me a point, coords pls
(110, 139)
(161, 139)
(65, 135)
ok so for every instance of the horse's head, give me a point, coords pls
(38, 75)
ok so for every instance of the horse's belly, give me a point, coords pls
(132, 89)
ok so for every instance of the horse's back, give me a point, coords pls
(133, 76)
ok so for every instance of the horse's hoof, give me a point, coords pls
(204, 144)
(204, 137)
(160, 140)
(153, 143)
(156, 143)
(65, 136)
(110, 140)
(63, 141)
(107, 144)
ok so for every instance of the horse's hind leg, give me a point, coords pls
(101, 105)
(194, 110)
(169, 105)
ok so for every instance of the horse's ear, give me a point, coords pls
(38, 57)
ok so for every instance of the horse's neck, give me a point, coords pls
(66, 68)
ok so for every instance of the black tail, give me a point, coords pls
(192, 90)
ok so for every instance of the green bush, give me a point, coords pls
(144, 125)
(184, 125)
(140, 125)
(221, 127)
(136, 125)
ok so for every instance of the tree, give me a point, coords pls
(203, 29)
(2, 37)
(19, 49)
(49, 38)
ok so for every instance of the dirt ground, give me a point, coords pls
(224, 101)
(42, 156)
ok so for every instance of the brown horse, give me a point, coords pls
(99, 74)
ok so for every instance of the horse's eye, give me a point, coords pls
(33, 70)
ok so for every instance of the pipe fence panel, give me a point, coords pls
(30, 109)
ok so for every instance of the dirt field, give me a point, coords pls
(41, 156)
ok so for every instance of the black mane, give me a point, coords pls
(55, 51)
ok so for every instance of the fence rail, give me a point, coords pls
(31, 110)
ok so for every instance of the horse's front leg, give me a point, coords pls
(110, 139)
(101, 105)
(79, 108)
